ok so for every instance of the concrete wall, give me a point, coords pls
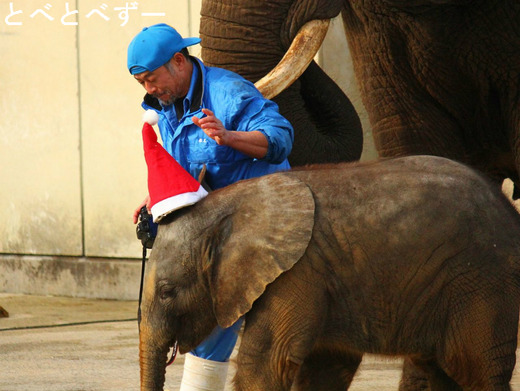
(71, 158)
(72, 166)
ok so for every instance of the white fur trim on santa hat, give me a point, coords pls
(168, 205)
(150, 116)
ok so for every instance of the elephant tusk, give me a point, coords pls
(296, 60)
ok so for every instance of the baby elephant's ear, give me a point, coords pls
(266, 234)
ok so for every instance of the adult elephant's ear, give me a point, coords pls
(267, 232)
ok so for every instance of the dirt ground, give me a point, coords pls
(104, 357)
(66, 344)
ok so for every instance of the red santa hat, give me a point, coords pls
(170, 186)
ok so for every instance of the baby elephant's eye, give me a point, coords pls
(166, 291)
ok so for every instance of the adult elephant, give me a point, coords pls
(251, 39)
(437, 77)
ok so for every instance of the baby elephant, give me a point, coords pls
(416, 257)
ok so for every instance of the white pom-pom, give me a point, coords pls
(151, 117)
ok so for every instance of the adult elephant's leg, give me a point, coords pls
(326, 370)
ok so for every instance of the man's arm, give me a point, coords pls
(253, 144)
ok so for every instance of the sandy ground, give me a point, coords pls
(48, 343)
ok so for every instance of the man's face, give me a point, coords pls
(165, 83)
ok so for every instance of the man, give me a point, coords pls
(213, 118)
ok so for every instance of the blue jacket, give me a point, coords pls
(240, 106)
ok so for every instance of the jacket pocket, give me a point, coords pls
(206, 150)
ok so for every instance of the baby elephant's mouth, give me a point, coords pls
(175, 349)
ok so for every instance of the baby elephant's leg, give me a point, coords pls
(423, 375)
(327, 370)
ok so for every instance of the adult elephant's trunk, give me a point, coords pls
(327, 129)
(250, 38)
(152, 363)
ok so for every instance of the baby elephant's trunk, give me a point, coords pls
(152, 363)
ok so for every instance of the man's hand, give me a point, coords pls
(212, 126)
(136, 212)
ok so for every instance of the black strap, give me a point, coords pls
(141, 288)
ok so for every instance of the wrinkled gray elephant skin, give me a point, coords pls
(437, 77)
(416, 256)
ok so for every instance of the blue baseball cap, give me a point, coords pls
(154, 46)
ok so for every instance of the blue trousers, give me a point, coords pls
(219, 345)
